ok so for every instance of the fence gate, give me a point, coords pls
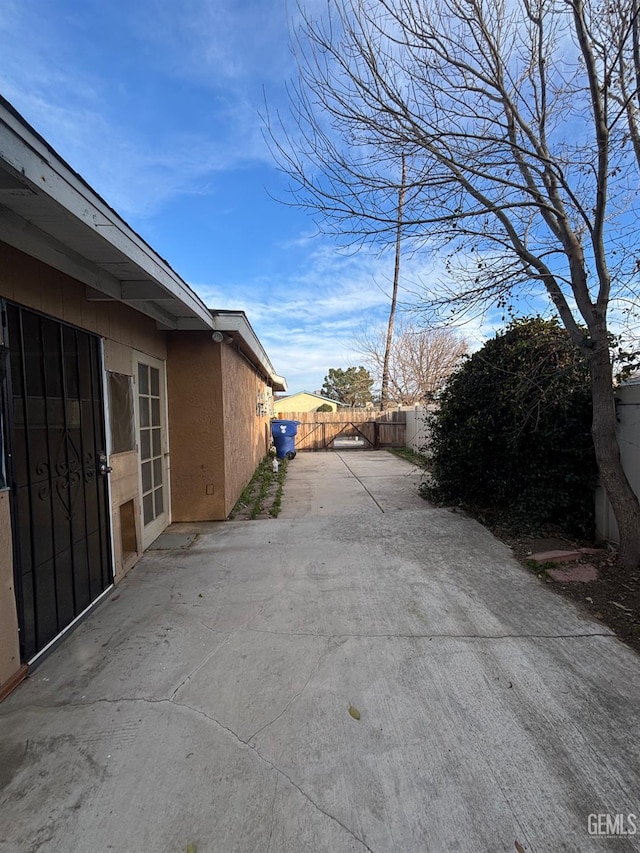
(356, 431)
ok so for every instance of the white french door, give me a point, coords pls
(151, 423)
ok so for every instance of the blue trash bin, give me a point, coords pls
(284, 433)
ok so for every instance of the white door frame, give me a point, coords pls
(156, 461)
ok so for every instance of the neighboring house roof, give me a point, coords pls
(320, 397)
(48, 211)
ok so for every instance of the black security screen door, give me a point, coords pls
(61, 523)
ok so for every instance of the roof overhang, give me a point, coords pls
(49, 212)
(236, 326)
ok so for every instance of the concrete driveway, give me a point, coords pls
(207, 702)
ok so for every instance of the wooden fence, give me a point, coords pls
(357, 429)
(628, 433)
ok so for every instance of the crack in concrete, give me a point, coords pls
(6, 712)
(608, 634)
(296, 695)
(277, 769)
(202, 663)
(213, 630)
(86, 703)
(355, 476)
(260, 610)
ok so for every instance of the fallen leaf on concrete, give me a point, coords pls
(191, 848)
(354, 712)
(519, 847)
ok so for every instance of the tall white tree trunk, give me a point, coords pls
(384, 390)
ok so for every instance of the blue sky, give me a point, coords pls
(156, 103)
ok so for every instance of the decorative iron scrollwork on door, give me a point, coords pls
(65, 482)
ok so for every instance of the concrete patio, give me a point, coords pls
(206, 702)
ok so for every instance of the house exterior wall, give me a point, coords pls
(246, 428)
(301, 403)
(34, 285)
(196, 427)
(217, 436)
(218, 420)
(28, 282)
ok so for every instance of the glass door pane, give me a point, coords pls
(152, 443)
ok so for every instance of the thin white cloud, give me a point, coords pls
(308, 320)
(135, 177)
(221, 53)
(88, 111)
(218, 42)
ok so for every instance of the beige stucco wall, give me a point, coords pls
(196, 433)
(247, 434)
(9, 644)
(34, 285)
(217, 438)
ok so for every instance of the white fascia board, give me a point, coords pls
(32, 241)
(236, 323)
(30, 157)
(101, 286)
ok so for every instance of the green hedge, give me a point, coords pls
(511, 441)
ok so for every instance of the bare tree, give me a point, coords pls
(518, 122)
(420, 360)
(623, 18)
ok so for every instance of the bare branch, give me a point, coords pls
(520, 125)
(421, 359)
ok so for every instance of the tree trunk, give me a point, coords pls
(624, 502)
(384, 389)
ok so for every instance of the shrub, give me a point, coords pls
(511, 440)
(325, 407)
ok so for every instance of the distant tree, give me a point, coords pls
(520, 125)
(511, 439)
(419, 362)
(351, 386)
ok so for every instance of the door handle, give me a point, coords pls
(103, 468)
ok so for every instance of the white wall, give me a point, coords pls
(628, 411)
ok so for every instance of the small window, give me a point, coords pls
(122, 414)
